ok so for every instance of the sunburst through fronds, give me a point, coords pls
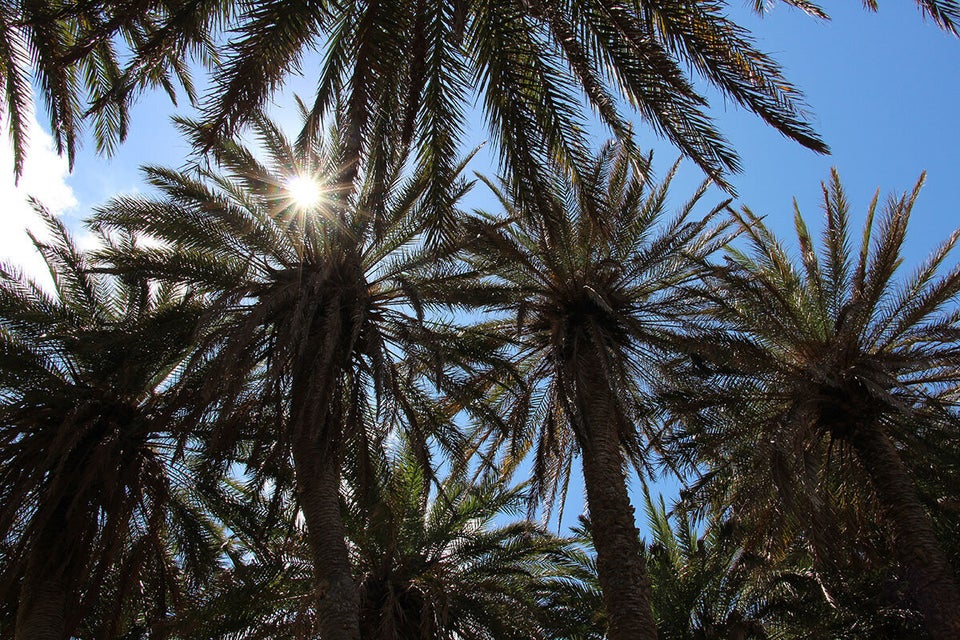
(304, 191)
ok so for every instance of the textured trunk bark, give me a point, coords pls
(929, 575)
(317, 447)
(621, 567)
(41, 611)
(318, 485)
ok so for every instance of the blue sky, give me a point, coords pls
(882, 88)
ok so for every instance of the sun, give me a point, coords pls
(304, 191)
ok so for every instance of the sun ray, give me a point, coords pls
(304, 191)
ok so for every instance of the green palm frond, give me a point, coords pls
(338, 316)
(76, 53)
(428, 565)
(591, 297)
(413, 65)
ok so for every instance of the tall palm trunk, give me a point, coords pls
(317, 446)
(41, 614)
(42, 608)
(318, 486)
(621, 567)
(317, 463)
(929, 575)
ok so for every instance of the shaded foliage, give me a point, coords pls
(330, 314)
(588, 290)
(98, 519)
(829, 378)
(427, 567)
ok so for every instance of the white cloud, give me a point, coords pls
(45, 179)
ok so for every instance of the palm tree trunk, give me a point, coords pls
(317, 447)
(621, 567)
(929, 575)
(318, 486)
(41, 611)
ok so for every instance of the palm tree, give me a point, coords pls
(440, 566)
(265, 588)
(589, 292)
(572, 595)
(94, 498)
(428, 567)
(706, 586)
(413, 64)
(322, 317)
(827, 377)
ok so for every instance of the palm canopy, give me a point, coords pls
(414, 64)
(704, 585)
(441, 565)
(325, 326)
(411, 68)
(586, 277)
(828, 376)
(364, 280)
(94, 498)
(588, 291)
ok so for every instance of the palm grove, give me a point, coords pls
(245, 415)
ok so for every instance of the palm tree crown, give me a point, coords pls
(428, 567)
(413, 64)
(441, 566)
(93, 495)
(408, 69)
(75, 52)
(704, 585)
(824, 376)
(588, 279)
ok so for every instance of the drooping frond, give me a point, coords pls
(76, 53)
